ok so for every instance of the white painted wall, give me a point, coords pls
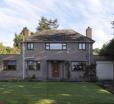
(105, 70)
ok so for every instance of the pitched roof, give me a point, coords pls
(9, 56)
(58, 35)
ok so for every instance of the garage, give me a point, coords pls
(104, 70)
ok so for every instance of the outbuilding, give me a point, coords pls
(104, 67)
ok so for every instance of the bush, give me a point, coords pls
(33, 76)
(90, 72)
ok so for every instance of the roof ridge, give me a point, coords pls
(54, 31)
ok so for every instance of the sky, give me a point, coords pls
(71, 14)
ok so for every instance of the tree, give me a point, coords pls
(15, 50)
(18, 38)
(23, 35)
(2, 49)
(96, 51)
(103, 50)
(45, 24)
(108, 49)
(8, 50)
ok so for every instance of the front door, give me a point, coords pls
(55, 69)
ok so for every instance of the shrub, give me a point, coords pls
(33, 76)
(90, 72)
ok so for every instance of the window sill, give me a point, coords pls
(82, 49)
(30, 49)
(33, 70)
(9, 70)
(56, 49)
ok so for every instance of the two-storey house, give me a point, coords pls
(51, 55)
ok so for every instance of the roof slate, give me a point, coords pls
(59, 35)
(9, 56)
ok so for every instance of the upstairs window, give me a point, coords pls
(64, 46)
(30, 46)
(56, 46)
(47, 46)
(82, 46)
(9, 65)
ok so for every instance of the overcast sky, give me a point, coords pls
(71, 14)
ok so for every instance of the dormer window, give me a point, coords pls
(56, 46)
(82, 46)
(30, 46)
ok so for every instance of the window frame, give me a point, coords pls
(82, 46)
(34, 65)
(48, 47)
(79, 63)
(38, 63)
(28, 65)
(30, 46)
(6, 65)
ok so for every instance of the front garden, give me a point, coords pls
(53, 93)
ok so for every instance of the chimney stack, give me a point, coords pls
(89, 32)
(26, 33)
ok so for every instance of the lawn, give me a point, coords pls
(53, 93)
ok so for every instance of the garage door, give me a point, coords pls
(104, 70)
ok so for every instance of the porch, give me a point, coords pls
(64, 70)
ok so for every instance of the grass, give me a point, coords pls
(53, 93)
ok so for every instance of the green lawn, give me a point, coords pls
(53, 93)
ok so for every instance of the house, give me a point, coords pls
(50, 55)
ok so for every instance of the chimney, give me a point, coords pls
(26, 33)
(89, 32)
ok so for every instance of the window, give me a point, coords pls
(47, 46)
(9, 65)
(64, 46)
(77, 66)
(37, 65)
(33, 65)
(30, 46)
(82, 46)
(56, 46)
(30, 64)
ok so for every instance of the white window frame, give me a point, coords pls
(50, 46)
(30, 46)
(82, 46)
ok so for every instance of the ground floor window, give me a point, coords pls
(37, 65)
(30, 64)
(78, 66)
(9, 65)
(33, 65)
